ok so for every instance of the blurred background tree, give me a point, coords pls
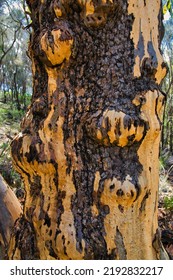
(15, 73)
(15, 78)
(167, 48)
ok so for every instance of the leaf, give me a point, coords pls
(168, 203)
(168, 7)
(165, 9)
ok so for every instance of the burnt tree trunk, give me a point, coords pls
(10, 211)
(88, 150)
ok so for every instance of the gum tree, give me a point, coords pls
(88, 149)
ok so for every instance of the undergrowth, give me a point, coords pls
(10, 119)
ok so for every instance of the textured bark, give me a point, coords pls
(10, 211)
(88, 150)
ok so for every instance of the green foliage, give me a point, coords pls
(6, 115)
(15, 80)
(162, 160)
(168, 7)
(167, 84)
(15, 66)
(6, 168)
(4, 146)
(168, 203)
(9, 125)
(11, 115)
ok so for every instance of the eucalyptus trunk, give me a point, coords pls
(88, 150)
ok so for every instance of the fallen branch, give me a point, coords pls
(10, 210)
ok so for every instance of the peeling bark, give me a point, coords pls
(10, 211)
(88, 151)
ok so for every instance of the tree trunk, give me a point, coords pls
(16, 91)
(24, 95)
(10, 211)
(88, 151)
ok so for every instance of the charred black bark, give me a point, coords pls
(85, 123)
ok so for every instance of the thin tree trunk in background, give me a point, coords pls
(88, 150)
(4, 90)
(163, 132)
(16, 96)
(171, 134)
(24, 95)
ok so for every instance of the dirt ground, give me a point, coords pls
(165, 215)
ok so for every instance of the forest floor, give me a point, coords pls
(165, 208)
(9, 127)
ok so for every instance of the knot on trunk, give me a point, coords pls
(95, 13)
(116, 128)
(122, 193)
(56, 45)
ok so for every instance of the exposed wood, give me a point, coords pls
(10, 211)
(88, 150)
